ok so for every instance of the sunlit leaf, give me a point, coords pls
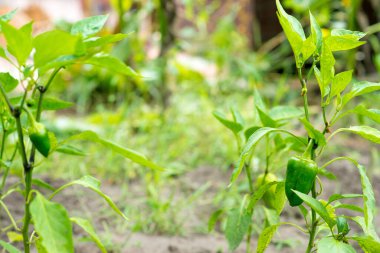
(340, 82)
(235, 127)
(316, 33)
(54, 44)
(126, 152)
(93, 184)
(265, 238)
(112, 64)
(251, 143)
(331, 245)
(87, 226)
(89, 26)
(8, 82)
(9, 247)
(318, 207)
(19, 41)
(52, 223)
(238, 222)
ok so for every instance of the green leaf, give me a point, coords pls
(316, 33)
(314, 133)
(265, 119)
(235, 127)
(41, 183)
(369, 202)
(214, 218)
(52, 223)
(9, 247)
(258, 194)
(237, 226)
(340, 82)
(343, 42)
(327, 63)
(61, 61)
(373, 114)
(360, 88)
(54, 44)
(70, 150)
(127, 153)
(87, 226)
(368, 244)
(349, 207)
(265, 238)
(105, 40)
(89, 26)
(366, 132)
(258, 100)
(308, 48)
(53, 104)
(19, 41)
(8, 82)
(281, 113)
(318, 207)
(330, 245)
(340, 32)
(251, 143)
(93, 184)
(111, 63)
(293, 31)
(337, 196)
(8, 16)
(237, 116)
(40, 248)
(280, 198)
(249, 131)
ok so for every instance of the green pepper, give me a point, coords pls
(342, 225)
(40, 138)
(300, 176)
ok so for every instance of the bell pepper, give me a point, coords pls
(300, 176)
(40, 138)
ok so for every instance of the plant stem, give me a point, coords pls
(28, 179)
(304, 93)
(312, 156)
(313, 223)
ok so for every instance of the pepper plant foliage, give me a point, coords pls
(46, 225)
(327, 229)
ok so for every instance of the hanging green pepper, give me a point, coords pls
(40, 138)
(38, 135)
(300, 176)
(342, 225)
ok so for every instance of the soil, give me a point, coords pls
(119, 237)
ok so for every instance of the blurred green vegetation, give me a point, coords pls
(187, 72)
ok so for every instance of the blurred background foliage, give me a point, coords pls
(193, 57)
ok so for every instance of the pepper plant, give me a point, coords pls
(35, 61)
(327, 228)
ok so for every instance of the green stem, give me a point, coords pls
(28, 179)
(314, 223)
(326, 129)
(3, 92)
(27, 217)
(304, 94)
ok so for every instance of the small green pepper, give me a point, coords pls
(342, 225)
(300, 176)
(40, 138)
